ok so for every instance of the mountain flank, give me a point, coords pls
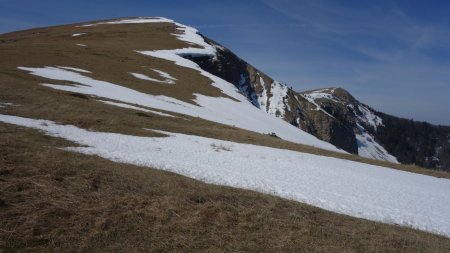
(335, 116)
(140, 134)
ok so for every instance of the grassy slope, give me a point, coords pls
(56, 200)
(59, 200)
(110, 56)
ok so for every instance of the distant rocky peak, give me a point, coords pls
(331, 114)
(339, 103)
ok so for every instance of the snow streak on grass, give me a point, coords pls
(342, 186)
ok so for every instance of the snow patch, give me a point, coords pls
(75, 69)
(323, 94)
(81, 45)
(168, 79)
(77, 34)
(311, 97)
(369, 117)
(140, 20)
(218, 109)
(342, 186)
(192, 37)
(218, 47)
(368, 147)
(277, 104)
(5, 104)
(262, 98)
(147, 78)
(165, 75)
(172, 55)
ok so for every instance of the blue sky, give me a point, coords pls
(392, 55)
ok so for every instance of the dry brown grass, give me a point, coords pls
(55, 200)
(36, 101)
(110, 56)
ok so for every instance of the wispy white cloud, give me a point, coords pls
(366, 26)
(376, 50)
(246, 25)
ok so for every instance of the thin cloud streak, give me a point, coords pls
(250, 26)
(377, 50)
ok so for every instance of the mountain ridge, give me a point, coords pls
(354, 131)
(279, 100)
(97, 119)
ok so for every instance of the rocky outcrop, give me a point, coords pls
(359, 120)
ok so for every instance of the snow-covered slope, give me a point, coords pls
(137, 64)
(306, 110)
(277, 101)
(237, 111)
(272, 97)
(251, 86)
(368, 147)
(342, 186)
(218, 109)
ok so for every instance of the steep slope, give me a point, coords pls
(415, 142)
(252, 167)
(56, 200)
(333, 115)
(339, 105)
(386, 137)
(230, 107)
(279, 100)
(126, 90)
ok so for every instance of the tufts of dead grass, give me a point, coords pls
(85, 112)
(55, 200)
(220, 147)
(111, 55)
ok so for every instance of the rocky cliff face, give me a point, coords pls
(385, 137)
(360, 120)
(335, 116)
(278, 99)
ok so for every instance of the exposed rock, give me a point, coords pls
(335, 116)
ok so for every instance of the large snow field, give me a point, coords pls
(341, 186)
